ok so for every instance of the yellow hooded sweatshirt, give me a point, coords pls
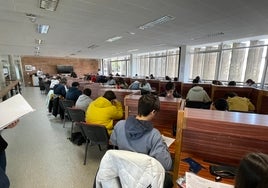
(101, 111)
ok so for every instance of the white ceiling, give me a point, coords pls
(78, 24)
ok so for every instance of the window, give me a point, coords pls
(236, 61)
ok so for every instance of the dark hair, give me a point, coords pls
(195, 81)
(63, 81)
(87, 92)
(169, 86)
(167, 78)
(230, 94)
(148, 103)
(232, 83)
(252, 171)
(109, 95)
(249, 81)
(221, 104)
(75, 84)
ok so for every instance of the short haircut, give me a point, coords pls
(148, 103)
(221, 104)
(75, 84)
(230, 94)
(195, 81)
(169, 86)
(63, 81)
(109, 95)
(232, 83)
(252, 171)
(87, 92)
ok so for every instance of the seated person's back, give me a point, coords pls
(104, 110)
(137, 134)
(73, 92)
(236, 103)
(197, 93)
(84, 100)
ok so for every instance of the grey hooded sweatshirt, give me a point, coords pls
(140, 136)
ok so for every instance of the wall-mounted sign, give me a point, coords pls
(28, 68)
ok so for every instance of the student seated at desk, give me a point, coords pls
(73, 92)
(104, 110)
(137, 134)
(219, 104)
(145, 87)
(84, 100)
(237, 103)
(197, 93)
(253, 171)
(170, 91)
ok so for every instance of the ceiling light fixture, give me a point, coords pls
(134, 50)
(43, 29)
(93, 46)
(114, 39)
(39, 41)
(50, 5)
(31, 17)
(161, 20)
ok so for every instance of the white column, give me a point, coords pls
(185, 58)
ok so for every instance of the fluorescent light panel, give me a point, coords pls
(43, 29)
(50, 5)
(161, 20)
(39, 41)
(114, 39)
(133, 50)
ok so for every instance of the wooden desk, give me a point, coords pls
(204, 172)
(223, 137)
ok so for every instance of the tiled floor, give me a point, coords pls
(39, 154)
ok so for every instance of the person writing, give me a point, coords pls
(137, 134)
(104, 110)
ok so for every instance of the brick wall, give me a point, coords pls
(49, 64)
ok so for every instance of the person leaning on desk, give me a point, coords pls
(4, 181)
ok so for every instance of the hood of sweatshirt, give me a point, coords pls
(197, 88)
(102, 102)
(137, 128)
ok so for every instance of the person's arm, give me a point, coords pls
(251, 106)
(118, 113)
(160, 151)
(206, 97)
(13, 124)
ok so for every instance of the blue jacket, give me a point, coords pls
(73, 93)
(140, 136)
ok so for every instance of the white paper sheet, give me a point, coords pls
(194, 181)
(12, 109)
(168, 140)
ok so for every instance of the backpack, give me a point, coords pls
(77, 138)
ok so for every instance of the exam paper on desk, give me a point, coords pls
(12, 109)
(194, 181)
(168, 140)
